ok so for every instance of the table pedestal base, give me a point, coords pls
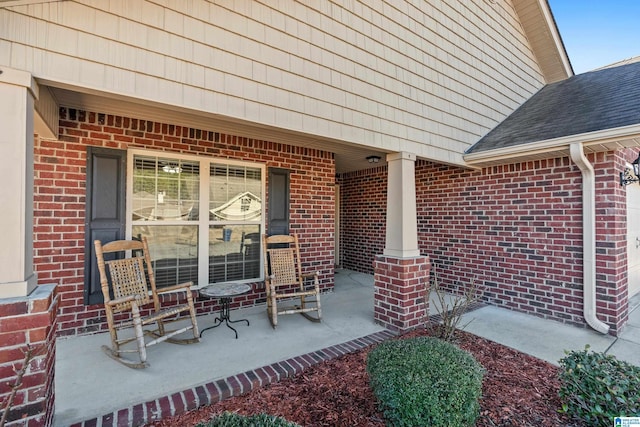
(223, 316)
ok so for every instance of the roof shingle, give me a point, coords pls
(604, 99)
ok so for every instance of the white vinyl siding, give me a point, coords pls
(429, 77)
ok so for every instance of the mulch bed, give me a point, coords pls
(518, 390)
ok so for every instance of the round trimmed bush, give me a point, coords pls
(425, 381)
(230, 419)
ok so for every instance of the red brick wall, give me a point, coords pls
(363, 215)
(401, 299)
(515, 229)
(59, 199)
(611, 237)
(28, 324)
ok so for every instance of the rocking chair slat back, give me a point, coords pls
(283, 266)
(128, 278)
(130, 287)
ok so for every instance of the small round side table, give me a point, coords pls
(225, 293)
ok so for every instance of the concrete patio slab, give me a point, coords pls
(90, 385)
(548, 339)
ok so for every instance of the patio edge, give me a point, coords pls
(186, 400)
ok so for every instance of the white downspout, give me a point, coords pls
(589, 237)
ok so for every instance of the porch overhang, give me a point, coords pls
(350, 155)
(46, 119)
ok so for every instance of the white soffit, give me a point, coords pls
(349, 157)
(541, 31)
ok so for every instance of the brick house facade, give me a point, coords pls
(59, 200)
(474, 185)
(515, 230)
(363, 208)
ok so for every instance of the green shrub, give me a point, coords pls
(595, 387)
(229, 419)
(425, 382)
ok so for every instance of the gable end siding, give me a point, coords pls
(425, 77)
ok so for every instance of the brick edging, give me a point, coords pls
(216, 391)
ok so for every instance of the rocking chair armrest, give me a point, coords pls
(180, 286)
(310, 280)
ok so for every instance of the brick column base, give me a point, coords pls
(29, 322)
(401, 301)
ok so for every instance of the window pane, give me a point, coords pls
(173, 250)
(165, 206)
(235, 193)
(234, 253)
(165, 189)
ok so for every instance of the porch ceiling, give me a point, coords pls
(349, 157)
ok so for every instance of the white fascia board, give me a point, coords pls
(555, 35)
(555, 144)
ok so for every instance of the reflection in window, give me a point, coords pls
(234, 253)
(173, 250)
(235, 211)
(165, 189)
(167, 209)
(235, 193)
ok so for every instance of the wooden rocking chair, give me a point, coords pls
(125, 287)
(284, 280)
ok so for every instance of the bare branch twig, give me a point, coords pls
(28, 355)
(451, 312)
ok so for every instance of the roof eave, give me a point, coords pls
(597, 141)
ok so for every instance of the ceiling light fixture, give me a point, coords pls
(373, 159)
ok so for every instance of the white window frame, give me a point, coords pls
(203, 218)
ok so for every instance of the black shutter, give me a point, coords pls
(105, 211)
(278, 219)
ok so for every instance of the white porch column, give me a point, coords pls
(17, 92)
(402, 225)
(401, 274)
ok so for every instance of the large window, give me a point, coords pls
(202, 217)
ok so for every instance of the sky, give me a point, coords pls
(598, 32)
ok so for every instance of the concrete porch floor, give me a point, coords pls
(92, 389)
(89, 384)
